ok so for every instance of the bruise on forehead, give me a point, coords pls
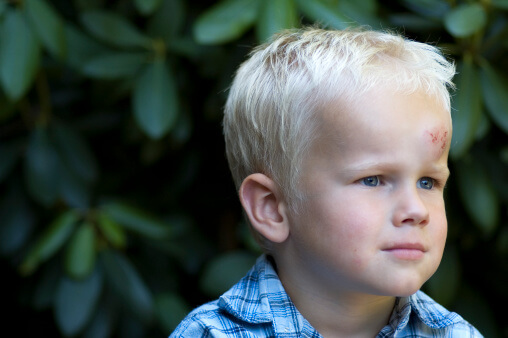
(438, 139)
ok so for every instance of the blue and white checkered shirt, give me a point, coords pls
(258, 306)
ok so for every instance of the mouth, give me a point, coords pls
(406, 251)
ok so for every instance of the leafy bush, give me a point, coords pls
(118, 211)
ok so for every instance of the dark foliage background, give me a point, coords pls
(117, 210)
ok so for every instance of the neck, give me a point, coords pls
(339, 314)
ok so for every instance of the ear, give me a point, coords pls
(265, 207)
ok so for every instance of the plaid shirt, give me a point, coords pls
(258, 306)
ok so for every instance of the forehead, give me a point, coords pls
(387, 108)
(389, 118)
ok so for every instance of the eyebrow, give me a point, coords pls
(386, 166)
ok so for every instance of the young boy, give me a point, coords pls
(338, 143)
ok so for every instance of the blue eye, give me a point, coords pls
(425, 183)
(371, 181)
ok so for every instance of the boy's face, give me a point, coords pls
(373, 220)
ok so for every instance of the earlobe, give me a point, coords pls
(265, 207)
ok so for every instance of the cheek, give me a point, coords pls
(352, 232)
(338, 228)
(357, 219)
(348, 219)
(439, 227)
(442, 232)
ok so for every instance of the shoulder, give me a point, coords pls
(198, 321)
(240, 312)
(437, 319)
(208, 320)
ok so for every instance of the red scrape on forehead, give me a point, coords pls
(438, 138)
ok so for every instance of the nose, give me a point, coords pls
(410, 209)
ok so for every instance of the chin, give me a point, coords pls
(406, 284)
(406, 289)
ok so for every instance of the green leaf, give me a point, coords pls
(147, 7)
(17, 223)
(47, 25)
(466, 108)
(225, 21)
(20, 55)
(114, 65)
(8, 157)
(3, 8)
(492, 162)
(41, 164)
(483, 128)
(444, 285)
(155, 100)
(167, 21)
(323, 13)
(171, 309)
(224, 271)
(80, 254)
(465, 20)
(103, 321)
(73, 189)
(50, 241)
(186, 47)
(127, 282)
(111, 230)
(501, 4)
(428, 8)
(367, 7)
(75, 302)
(361, 12)
(138, 221)
(274, 16)
(113, 29)
(75, 152)
(495, 89)
(81, 48)
(479, 196)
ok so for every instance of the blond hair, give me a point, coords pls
(269, 118)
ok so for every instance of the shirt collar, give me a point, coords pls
(247, 300)
(260, 298)
(425, 309)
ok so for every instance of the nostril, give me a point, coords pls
(416, 221)
(413, 221)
